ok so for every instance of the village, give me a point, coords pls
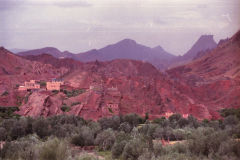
(54, 84)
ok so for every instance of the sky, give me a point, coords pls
(81, 25)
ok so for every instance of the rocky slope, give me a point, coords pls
(113, 88)
(14, 70)
(215, 77)
(69, 63)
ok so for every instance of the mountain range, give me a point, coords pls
(130, 49)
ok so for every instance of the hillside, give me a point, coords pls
(215, 77)
(14, 70)
(56, 62)
(116, 87)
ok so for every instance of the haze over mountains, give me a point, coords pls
(130, 49)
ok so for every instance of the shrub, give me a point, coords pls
(158, 149)
(3, 134)
(53, 150)
(205, 122)
(148, 129)
(65, 108)
(146, 155)
(65, 130)
(230, 120)
(8, 123)
(8, 112)
(182, 122)
(193, 122)
(78, 140)
(165, 133)
(41, 127)
(112, 122)
(43, 84)
(179, 134)
(117, 148)
(105, 139)
(230, 111)
(85, 137)
(133, 119)
(66, 119)
(125, 126)
(159, 120)
(205, 140)
(229, 148)
(95, 127)
(175, 117)
(74, 93)
(134, 148)
(121, 140)
(18, 129)
(18, 150)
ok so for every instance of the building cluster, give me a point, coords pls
(32, 84)
(55, 84)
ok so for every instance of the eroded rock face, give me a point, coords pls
(42, 103)
(118, 87)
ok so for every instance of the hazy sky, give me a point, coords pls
(80, 25)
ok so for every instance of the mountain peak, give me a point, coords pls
(206, 38)
(159, 48)
(127, 41)
(50, 49)
(4, 50)
(205, 42)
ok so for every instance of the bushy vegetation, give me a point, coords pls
(43, 84)
(65, 108)
(8, 112)
(127, 137)
(73, 93)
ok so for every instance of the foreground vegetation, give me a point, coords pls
(121, 137)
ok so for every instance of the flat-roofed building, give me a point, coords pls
(29, 85)
(53, 86)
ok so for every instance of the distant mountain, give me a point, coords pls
(223, 61)
(200, 48)
(205, 42)
(48, 50)
(17, 50)
(128, 49)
